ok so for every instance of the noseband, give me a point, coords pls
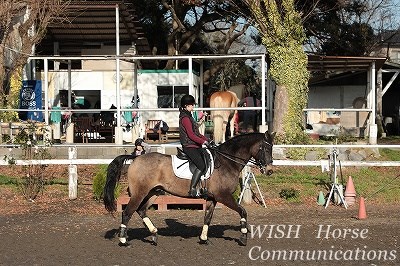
(261, 160)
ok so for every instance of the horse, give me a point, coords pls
(152, 172)
(221, 118)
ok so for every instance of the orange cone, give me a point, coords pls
(350, 192)
(362, 213)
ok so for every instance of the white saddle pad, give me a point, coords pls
(181, 167)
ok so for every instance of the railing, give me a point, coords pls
(161, 148)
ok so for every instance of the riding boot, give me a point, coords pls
(193, 184)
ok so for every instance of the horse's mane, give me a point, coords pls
(233, 144)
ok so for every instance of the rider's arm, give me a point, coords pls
(187, 124)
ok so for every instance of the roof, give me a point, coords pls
(92, 24)
(320, 63)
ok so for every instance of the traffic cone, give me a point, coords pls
(362, 214)
(321, 198)
(350, 192)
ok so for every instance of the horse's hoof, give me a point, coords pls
(126, 244)
(243, 241)
(204, 242)
(154, 239)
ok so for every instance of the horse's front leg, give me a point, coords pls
(210, 207)
(230, 202)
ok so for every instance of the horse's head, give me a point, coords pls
(264, 154)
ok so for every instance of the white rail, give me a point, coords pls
(275, 163)
(163, 146)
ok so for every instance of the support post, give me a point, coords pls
(73, 174)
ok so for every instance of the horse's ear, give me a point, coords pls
(270, 136)
(273, 135)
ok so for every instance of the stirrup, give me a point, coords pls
(193, 193)
(204, 193)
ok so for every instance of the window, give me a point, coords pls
(170, 96)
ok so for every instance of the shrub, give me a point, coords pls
(34, 179)
(99, 182)
(289, 193)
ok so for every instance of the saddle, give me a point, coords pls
(183, 167)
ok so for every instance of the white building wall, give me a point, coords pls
(339, 97)
(105, 82)
(334, 96)
(147, 90)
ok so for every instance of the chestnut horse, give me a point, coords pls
(152, 172)
(221, 118)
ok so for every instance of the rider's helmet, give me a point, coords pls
(187, 100)
(139, 141)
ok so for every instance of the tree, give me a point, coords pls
(186, 26)
(281, 30)
(23, 23)
(337, 27)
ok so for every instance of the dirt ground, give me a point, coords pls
(58, 231)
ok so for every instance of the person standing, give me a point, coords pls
(192, 141)
(250, 116)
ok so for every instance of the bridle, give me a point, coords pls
(260, 161)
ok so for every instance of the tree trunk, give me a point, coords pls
(281, 108)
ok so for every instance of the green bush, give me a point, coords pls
(99, 182)
(289, 193)
(6, 180)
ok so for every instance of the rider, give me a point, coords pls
(191, 140)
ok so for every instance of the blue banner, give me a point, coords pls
(30, 97)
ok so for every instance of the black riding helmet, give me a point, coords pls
(139, 141)
(187, 100)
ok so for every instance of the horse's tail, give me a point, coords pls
(218, 116)
(113, 176)
(218, 122)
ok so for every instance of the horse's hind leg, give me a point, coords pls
(147, 202)
(207, 220)
(230, 202)
(133, 204)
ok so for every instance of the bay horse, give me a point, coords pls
(221, 118)
(152, 172)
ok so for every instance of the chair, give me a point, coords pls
(106, 129)
(151, 132)
(84, 128)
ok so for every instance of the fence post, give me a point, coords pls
(73, 174)
(70, 133)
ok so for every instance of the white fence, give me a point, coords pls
(161, 148)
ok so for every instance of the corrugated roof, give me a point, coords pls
(320, 63)
(91, 24)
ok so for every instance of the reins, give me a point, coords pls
(244, 162)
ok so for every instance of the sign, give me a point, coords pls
(30, 98)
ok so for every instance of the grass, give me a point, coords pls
(377, 184)
(390, 154)
(13, 181)
(6, 180)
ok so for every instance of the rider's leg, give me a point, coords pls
(195, 180)
(195, 154)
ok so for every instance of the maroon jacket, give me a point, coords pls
(189, 133)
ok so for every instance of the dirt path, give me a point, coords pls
(57, 236)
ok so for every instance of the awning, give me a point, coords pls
(91, 24)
